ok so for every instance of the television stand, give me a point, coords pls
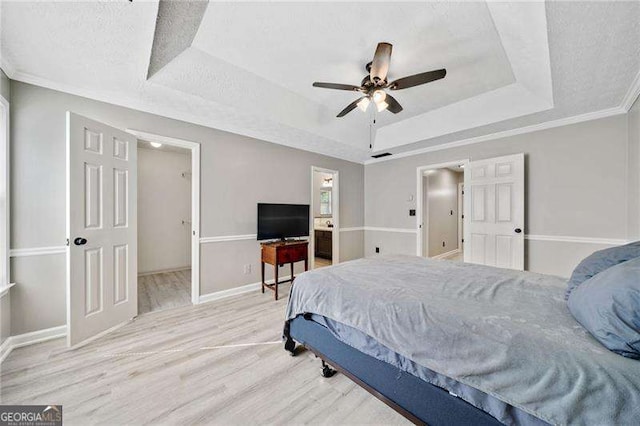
(279, 253)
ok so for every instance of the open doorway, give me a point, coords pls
(324, 248)
(164, 226)
(168, 222)
(440, 211)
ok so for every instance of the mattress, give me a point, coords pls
(505, 333)
(506, 413)
(416, 399)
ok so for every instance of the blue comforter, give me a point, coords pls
(506, 333)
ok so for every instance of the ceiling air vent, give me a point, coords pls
(384, 154)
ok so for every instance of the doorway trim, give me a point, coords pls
(5, 159)
(335, 212)
(461, 216)
(194, 147)
(419, 201)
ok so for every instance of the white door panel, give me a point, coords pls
(496, 225)
(101, 209)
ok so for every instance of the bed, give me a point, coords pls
(452, 343)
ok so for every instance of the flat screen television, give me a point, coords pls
(280, 221)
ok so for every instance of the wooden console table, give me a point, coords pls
(282, 252)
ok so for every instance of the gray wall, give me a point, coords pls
(237, 172)
(164, 201)
(577, 180)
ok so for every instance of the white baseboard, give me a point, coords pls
(31, 338)
(164, 271)
(5, 349)
(210, 297)
(447, 254)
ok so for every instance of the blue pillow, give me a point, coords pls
(599, 261)
(608, 306)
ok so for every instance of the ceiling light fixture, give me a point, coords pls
(364, 104)
(379, 96)
(373, 84)
(381, 106)
(155, 144)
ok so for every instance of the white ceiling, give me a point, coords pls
(248, 67)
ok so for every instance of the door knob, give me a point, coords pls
(518, 230)
(79, 241)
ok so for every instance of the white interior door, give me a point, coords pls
(494, 192)
(101, 226)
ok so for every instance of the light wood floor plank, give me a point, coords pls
(168, 367)
(164, 290)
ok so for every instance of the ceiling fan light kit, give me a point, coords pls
(379, 96)
(364, 104)
(373, 85)
(382, 106)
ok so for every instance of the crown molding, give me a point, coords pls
(506, 133)
(122, 100)
(627, 102)
(8, 69)
(632, 94)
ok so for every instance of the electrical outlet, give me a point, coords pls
(412, 212)
(377, 249)
(247, 269)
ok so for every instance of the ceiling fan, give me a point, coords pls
(374, 84)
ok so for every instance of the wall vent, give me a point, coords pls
(384, 154)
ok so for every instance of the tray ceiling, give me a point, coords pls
(248, 67)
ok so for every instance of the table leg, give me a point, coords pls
(291, 272)
(262, 267)
(275, 283)
(306, 264)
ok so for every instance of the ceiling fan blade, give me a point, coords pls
(394, 106)
(337, 86)
(380, 63)
(350, 107)
(417, 79)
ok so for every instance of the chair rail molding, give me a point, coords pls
(224, 238)
(383, 229)
(352, 229)
(572, 239)
(37, 251)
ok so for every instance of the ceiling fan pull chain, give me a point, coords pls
(372, 125)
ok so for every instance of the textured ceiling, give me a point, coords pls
(176, 25)
(248, 67)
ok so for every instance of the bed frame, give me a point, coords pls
(418, 401)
